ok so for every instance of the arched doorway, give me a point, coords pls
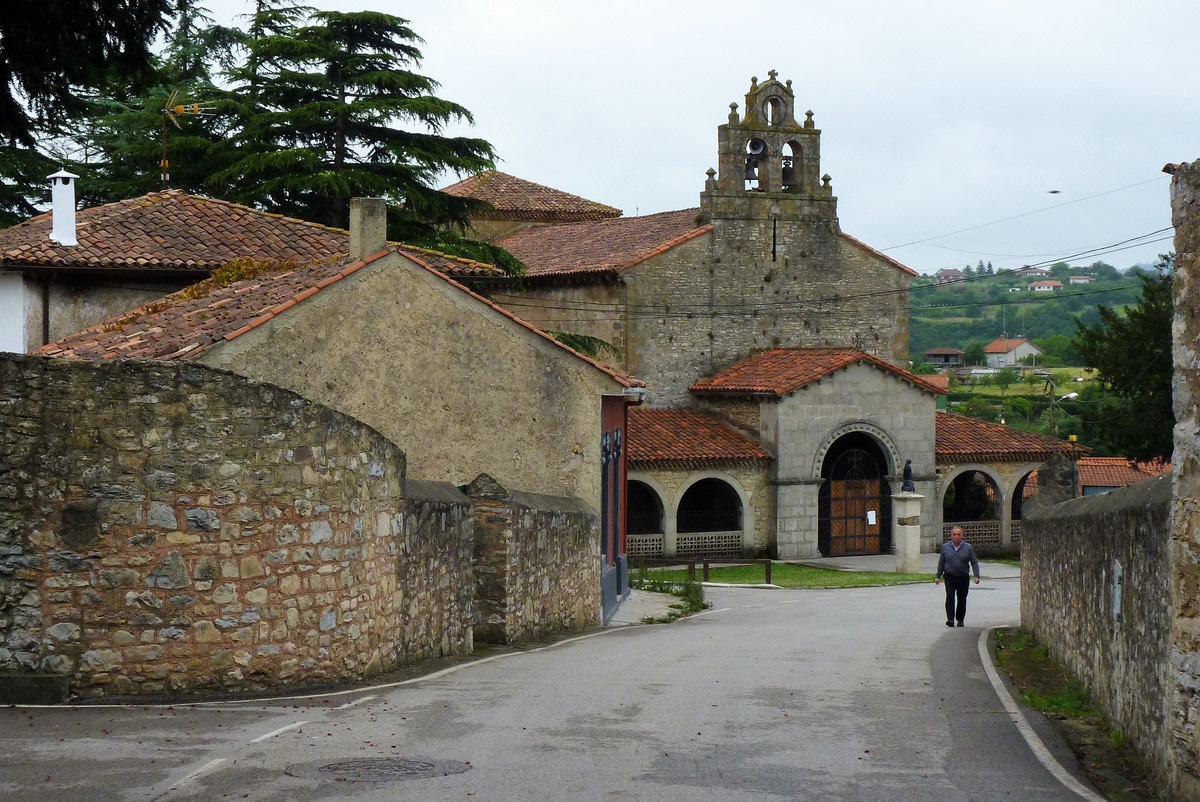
(973, 500)
(645, 510)
(709, 520)
(855, 500)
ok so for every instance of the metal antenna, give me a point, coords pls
(172, 111)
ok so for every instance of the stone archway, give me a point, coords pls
(854, 502)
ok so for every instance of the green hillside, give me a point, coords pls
(984, 306)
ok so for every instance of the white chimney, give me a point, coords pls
(62, 208)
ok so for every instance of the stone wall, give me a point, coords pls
(1184, 698)
(1096, 589)
(414, 356)
(537, 563)
(169, 528)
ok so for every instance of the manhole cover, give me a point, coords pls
(379, 769)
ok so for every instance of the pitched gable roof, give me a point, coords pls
(1004, 345)
(603, 246)
(686, 438)
(961, 439)
(168, 231)
(1107, 472)
(173, 230)
(182, 325)
(512, 197)
(783, 370)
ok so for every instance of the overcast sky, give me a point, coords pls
(1019, 132)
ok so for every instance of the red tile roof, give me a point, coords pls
(686, 438)
(1107, 472)
(783, 370)
(182, 325)
(173, 230)
(961, 439)
(170, 230)
(1004, 345)
(610, 246)
(603, 246)
(513, 197)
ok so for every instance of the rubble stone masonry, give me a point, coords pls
(1184, 704)
(170, 528)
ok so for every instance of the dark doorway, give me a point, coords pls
(645, 510)
(855, 501)
(710, 505)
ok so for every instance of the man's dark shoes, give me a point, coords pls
(949, 623)
(960, 623)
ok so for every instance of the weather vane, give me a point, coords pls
(173, 111)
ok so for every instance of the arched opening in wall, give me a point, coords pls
(644, 519)
(854, 504)
(773, 110)
(1025, 488)
(708, 522)
(756, 155)
(972, 501)
(789, 178)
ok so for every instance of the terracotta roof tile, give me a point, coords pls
(962, 439)
(183, 324)
(170, 230)
(1004, 345)
(602, 246)
(783, 370)
(515, 197)
(686, 438)
(173, 230)
(1108, 472)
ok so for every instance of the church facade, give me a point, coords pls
(687, 297)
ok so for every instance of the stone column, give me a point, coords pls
(906, 531)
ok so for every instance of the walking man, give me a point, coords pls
(956, 561)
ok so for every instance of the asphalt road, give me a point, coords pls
(770, 695)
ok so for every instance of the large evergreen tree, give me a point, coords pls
(1131, 352)
(335, 110)
(49, 49)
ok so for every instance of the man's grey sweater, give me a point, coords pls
(959, 562)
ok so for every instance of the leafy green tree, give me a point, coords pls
(974, 353)
(1005, 378)
(325, 104)
(1131, 353)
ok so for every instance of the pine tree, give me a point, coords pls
(1132, 354)
(325, 103)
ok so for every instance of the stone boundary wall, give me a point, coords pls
(1096, 589)
(1184, 692)
(167, 528)
(537, 563)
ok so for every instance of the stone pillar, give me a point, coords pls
(906, 532)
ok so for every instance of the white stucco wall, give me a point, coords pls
(12, 314)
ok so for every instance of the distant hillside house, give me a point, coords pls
(1049, 285)
(943, 356)
(949, 274)
(1006, 352)
(1035, 272)
(1081, 279)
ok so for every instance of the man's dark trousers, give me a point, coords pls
(956, 589)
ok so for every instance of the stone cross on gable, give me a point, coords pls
(772, 74)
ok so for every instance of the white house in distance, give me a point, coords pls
(1049, 285)
(1006, 352)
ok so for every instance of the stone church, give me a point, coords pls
(785, 340)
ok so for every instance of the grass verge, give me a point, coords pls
(789, 575)
(1047, 687)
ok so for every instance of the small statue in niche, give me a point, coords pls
(908, 486)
